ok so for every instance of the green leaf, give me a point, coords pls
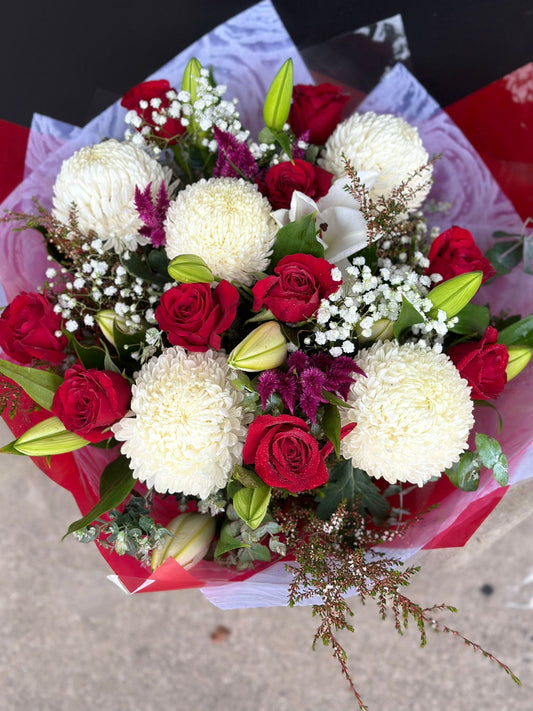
(139, 267)
(227, 542)
(251, 504)
(115, 485)
(247, 477)
(333, 399)
(125, 343)
(233, 487)
(40, 385)
(501, 471)
(260, 552)
(519, 333)
(528, 254)
(472, 320)
(266, 135)
(89, 356)
(158, 262)
(331, 424)
(407, 318)
(488, 449)
(297, 238)
(505, 256)
(347, 484)
(278, 99)
(464, 474)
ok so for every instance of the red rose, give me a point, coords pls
(283, 179)
(146, 91)
(316, 109)
(455, 252)
(195, 316)
(293, 293)
(88, 402)
(27, 329)
(482, 364)
(285, 453)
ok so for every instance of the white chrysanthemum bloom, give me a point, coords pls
(188, 427)
(413, 413)
(227, 223)
(100, 181)
(382, 143)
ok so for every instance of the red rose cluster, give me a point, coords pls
(28, 328)
(483, 364)
(294, 292)
(454, 252)
(145, 92)
(195, 316)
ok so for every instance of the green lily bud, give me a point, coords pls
(106, 319)
(278, 98)
(519, 357)
(262, 349)
(452, 295)
(46, 438)
(382, 330)
(189, 540)
(190, 269)
(190, 76)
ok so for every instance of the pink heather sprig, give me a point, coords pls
(234, 159)
(305, 380)
(152, 214)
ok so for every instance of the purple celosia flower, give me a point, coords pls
(306, 378)
(152, 214)
(234, 159)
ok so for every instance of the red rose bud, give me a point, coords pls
(28, 327)
(294, 292)
(284, 178)
(454, 252)
(195, 316)
(88, 402)
(285, 453)
(146, 91)
(482, 364)
(316, 109)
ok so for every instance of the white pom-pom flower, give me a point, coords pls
(227, 223)
(100, 182)
(188, 427)
(413, 413)
(382, 143)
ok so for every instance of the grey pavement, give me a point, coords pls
(72, 641)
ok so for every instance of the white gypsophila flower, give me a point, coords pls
(382, 143)
(188, 427)
(227, 223)
(413, 413)
(100, 182)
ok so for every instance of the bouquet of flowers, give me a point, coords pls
(249, 355)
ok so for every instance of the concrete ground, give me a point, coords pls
(74, 642)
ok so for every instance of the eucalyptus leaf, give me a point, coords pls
(528, 254)
(501, 471)
(226, 541)
(505, 256)
(464, 474)
(260, 552)
(489, 449)
(115, 485)
(40, 385)
(251, 504)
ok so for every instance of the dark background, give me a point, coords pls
(70, 60)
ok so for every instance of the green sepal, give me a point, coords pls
(251, 504)
(47, 437)
(297, 238)
(520, 333)
(408, 317)
(278, 99)
(116, 483)
(473, 320)
(464, 474)
(331, 424)
(40, 385)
